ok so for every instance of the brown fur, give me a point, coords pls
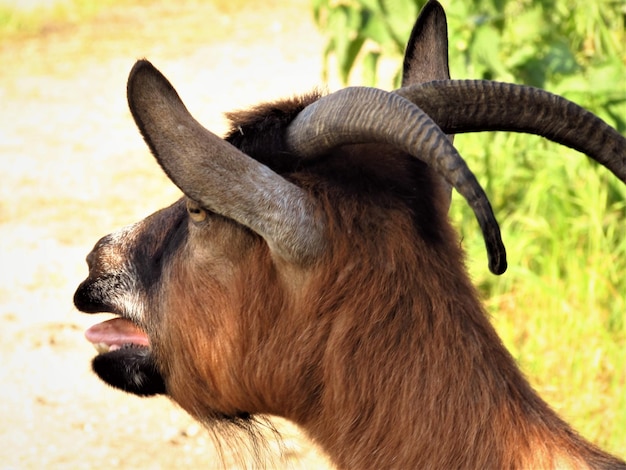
(381, 352)
(379, 349)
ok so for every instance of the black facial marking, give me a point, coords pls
(131, 369)
(97, 295)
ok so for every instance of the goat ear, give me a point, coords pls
(426, 59)
(219, 176)
(426, 55)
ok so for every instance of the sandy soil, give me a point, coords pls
(73, 169)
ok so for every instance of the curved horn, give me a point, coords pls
(479, 105)
(366, 115)
(217, 175)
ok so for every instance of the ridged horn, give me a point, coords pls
(366, 115)
(218, 176)
(459, 106)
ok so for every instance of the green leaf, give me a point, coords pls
(371, 5)
(318, 6)
(609, 78)
(347, 59)
(340, 44)
(400, 15)
(485, 49)
(370, 66)
(377, 30)
(525, 27)
(560, 59)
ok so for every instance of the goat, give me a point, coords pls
(310, 270)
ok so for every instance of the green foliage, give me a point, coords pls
(370, 27)
(563, 217)
(538, 43)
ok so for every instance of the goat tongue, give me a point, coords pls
(115, 333)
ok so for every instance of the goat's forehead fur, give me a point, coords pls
(372, 173)
(259, 131)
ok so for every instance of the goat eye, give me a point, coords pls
(196, 213)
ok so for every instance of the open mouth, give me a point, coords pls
(116, 333)
(125, 358)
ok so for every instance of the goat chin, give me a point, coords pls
(130, 368)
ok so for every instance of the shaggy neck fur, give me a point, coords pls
(366, 350)
(413, 379)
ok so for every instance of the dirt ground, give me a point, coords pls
(74, 168)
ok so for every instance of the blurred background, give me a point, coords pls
(74, 169)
